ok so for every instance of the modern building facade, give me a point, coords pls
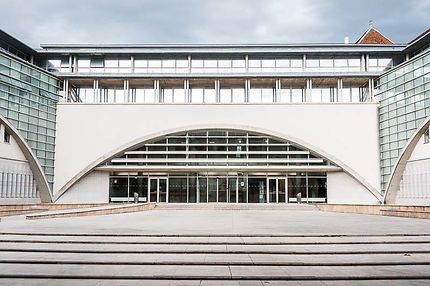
(220, 123)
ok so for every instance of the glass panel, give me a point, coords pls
(222, 190)
(139, 185)
(178, 190)
(296, 185)
(162, 189)
(203, 190)
(281, 190)
(272, 190)
(212, 188)
(242, 185)
(317, 190)
(192, 189)
(232, 189)
(257, 190)
(118, 187)
(153, 190)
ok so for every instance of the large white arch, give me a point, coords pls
(393, 185)
(135, 143)
(36, 169)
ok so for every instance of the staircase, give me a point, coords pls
(140, 259)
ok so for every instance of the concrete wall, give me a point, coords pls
(342, 189)
(16, 179)
(93, 188)
(415, 182)
(348, 132)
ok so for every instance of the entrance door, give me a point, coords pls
(158, 190)
(276, 190)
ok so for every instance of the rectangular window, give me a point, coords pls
(427, 137)
(6, 137)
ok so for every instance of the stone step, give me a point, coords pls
(234, 206)
(92, 211)
(221, 272)
(216, 248)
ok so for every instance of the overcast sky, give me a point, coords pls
(210, 21)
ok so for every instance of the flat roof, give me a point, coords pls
(94, 49)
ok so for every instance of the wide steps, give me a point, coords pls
(127, 259)
(234, 206)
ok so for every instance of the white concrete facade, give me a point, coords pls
(346, 134)
(16, 179)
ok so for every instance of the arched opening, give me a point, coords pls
(218, 165)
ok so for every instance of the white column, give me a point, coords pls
(189, 64)
(132, 64)
(304, 63)
(339, 89)
(308, 93)
(66, 90)
(367, 62)
(127, 91)
(246, 63)
(157, 90)
(363, 63)
(70, 63)
(217, 91)
(75, 64)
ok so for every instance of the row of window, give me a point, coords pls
(332, 64)
(228, 95)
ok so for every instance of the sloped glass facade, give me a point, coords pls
(404, 96)
(28, 98)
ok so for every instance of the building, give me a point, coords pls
(337, 123)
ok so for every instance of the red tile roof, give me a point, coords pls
(372, 37)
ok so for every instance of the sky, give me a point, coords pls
(210, 21)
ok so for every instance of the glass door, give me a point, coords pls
(158, 189)
(276, 190)
(152, 189)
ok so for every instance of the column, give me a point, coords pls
(187, 91)
(75, 64)
(304, 63)
(66, 90)
(363, 63)
(371, 87)
(339, 89)
(247, 88)
(157, 90)
(277, 90)
(217, 91)
(127, 91)
(246, 63)
(132, 64)
(96, 91)
(308, 93)
(189, 64)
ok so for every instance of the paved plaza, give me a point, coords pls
(168, 246)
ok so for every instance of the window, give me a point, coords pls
(6, 137)
(427, 137)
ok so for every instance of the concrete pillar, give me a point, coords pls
(127, 91)
(70, 63)
(304, 63)
(66, 90)
(157, 90)
(75, 64)
(339, 89)
(367, 63)
(217, 91)
(308, 93)
(132, 64)
(363, 63)
(246, 63)
(189, 64)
